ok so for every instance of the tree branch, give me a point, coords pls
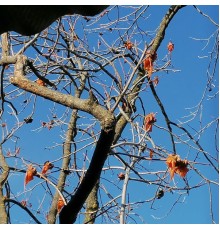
(92, 205)
(105, 117)
(3, 177)
(66, 160)
(69, 212)
(24, 208)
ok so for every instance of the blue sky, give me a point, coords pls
(178, 91)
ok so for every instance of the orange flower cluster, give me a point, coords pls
(30, 173)
(149, 121)
(128, 45)
(60, 204)
(47, 165)
(176, 165)
(148, 62)
(170, 47)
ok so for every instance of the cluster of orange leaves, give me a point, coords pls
(31, 171)
(60, 204)
(149, 121)
(128, 45)
(176, 165)
(148, 62)
(151, 57)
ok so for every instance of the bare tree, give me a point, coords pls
(89, 77)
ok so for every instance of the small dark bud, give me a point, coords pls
(121, 176)
(160, 193)
(28, 120)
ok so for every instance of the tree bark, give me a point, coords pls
(69, 212)
(3, 177)
(66, 160)
(92, 205)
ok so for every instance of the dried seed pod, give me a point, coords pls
(121, 176)
(160, 193)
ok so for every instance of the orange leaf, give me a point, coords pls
(31, 171)
(148, 66)
(149, 121)
(60, 204)
(151, 153)
(176, 165)
(181, 167)
(170, 47)
(47, 165)
(121, 176)
(40, 82)
(172, 172)
(171, 160)
(182, 171)
(148, 62)
(128, 45)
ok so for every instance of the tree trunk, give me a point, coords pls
(92, 205)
